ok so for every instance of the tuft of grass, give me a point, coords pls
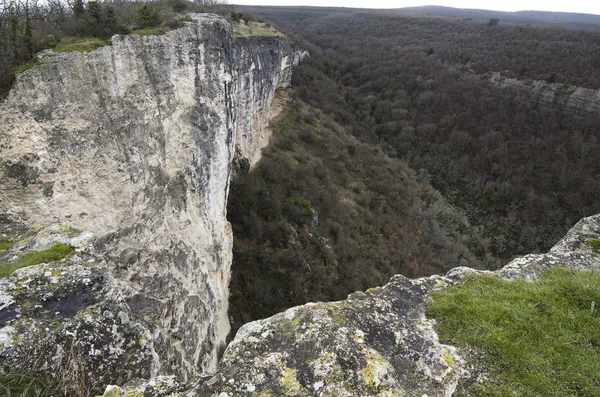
(4, 245)
(540, 338)
(149, 32)
(594, 243)
(26, 67)
(52, 254)
(28, 386)
(69, 44)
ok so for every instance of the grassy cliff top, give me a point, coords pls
(252, 28)
(536, 338)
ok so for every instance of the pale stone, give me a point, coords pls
(134, 143)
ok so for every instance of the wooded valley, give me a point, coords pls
(399, 155)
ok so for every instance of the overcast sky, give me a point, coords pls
(585, 6)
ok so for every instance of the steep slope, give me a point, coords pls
(134, 142)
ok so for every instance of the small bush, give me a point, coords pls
(122, 29)
(178, 5)
(237, 16)
(51, 41)
(146, 17)
(53, 254)
(100, 19)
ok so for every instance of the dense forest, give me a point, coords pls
(412, 119)
(323, 214)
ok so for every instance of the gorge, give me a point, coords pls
(126, 154)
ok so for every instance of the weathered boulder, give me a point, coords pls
(134, 142)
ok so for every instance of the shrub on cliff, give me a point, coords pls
(100, 19)
(146, 17)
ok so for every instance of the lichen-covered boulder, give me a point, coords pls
(63, 319)
(374, 343)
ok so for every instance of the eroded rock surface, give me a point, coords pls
(134, 142)
(64, 319)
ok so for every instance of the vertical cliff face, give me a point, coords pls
(134, 142)
(579, 100)
(265, 64)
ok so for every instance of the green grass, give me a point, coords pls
(28, 386)
(69, 44)
(540, 338)
(26, 67)
(52, 254)
(4, 245)
(254, 29)
(594, 243)
(149, 32)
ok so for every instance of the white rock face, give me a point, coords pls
(575, 99)
(260, 104)
(134, 143)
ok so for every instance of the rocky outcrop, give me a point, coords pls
(572, 98)
(376, 343)
(134, 143)
(64, 319)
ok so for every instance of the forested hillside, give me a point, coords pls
(514, 172)
(323, 214)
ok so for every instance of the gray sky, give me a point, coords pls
(585, 6)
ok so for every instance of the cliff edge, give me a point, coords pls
(133, 143)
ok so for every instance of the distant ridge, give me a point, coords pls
(572, 19)
(567, 19)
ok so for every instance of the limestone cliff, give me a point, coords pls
(575, 99)
(134, 143)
